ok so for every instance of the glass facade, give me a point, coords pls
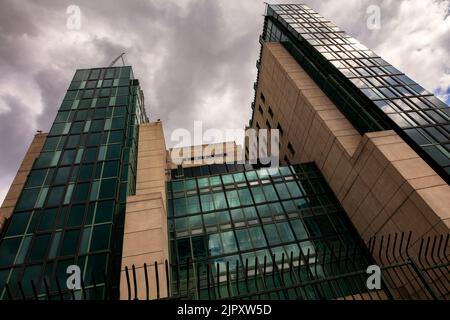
(372, 94)
(230, 218)
(71, 210)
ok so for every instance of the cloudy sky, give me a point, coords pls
(195, 59)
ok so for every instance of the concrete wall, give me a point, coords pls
(145, 234)
(383, 185)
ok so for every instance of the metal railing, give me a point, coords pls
(417, 269)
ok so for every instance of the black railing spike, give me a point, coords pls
(380, 251)
(237, 277)
(83, 292)
(444, 249)
(157, 279)
(33, 287)
(127, 276)
(188, 267)
(323, 261)
(438, 251)
(177, 269)
(147, 287)
(370, 244)
(291, 265)
(8, 291)
(246, 274)
(407, 243)
(426, 250)
(208, 272)
(198, 279)
(167, 278)
(316, 262)
(218, 280)
(308, 271)
(433, 247)
(386, 252)
(47, 289)
(339, 255)
(274, 264)
(394, 245)
(256, 273)
(21, 291)
(299, 265)
(106, 291)
(420, 255)
(133, 270)
(58, 286)
(347, 250)
(400, 248)
(228, 278)
(264, 271)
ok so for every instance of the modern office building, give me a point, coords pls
(363, 151)
(380, 140)
(67, 203)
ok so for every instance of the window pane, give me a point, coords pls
(257, 236)
(243, 239)
(193, 205)
(18, 225)
(8, 250)
(246, 198)
(207, 202)
(70, 242)
(100, 237)
(229, 242)
(39, 247)
(271, 233)
(219, 200)
(233, 199)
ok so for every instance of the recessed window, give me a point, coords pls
(291, 149)
(270, 112)
(260, 109)
(263, 99)
(280, 129)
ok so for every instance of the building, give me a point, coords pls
(380, 140)
(67, 203)
(363, 153)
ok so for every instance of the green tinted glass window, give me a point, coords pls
(39, 247)
(19, 222)
(70, 241)
(8, 250)
(100, 237)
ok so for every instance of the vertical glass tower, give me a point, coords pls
(71, 210)
(370, 92)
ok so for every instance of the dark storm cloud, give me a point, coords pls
(16, 135)
(195, 59)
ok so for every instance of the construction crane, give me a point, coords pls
(115, 60)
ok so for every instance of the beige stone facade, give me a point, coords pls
(381, 182)
(145, 232)
(18, 183)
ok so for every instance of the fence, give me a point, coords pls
(409, 270)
